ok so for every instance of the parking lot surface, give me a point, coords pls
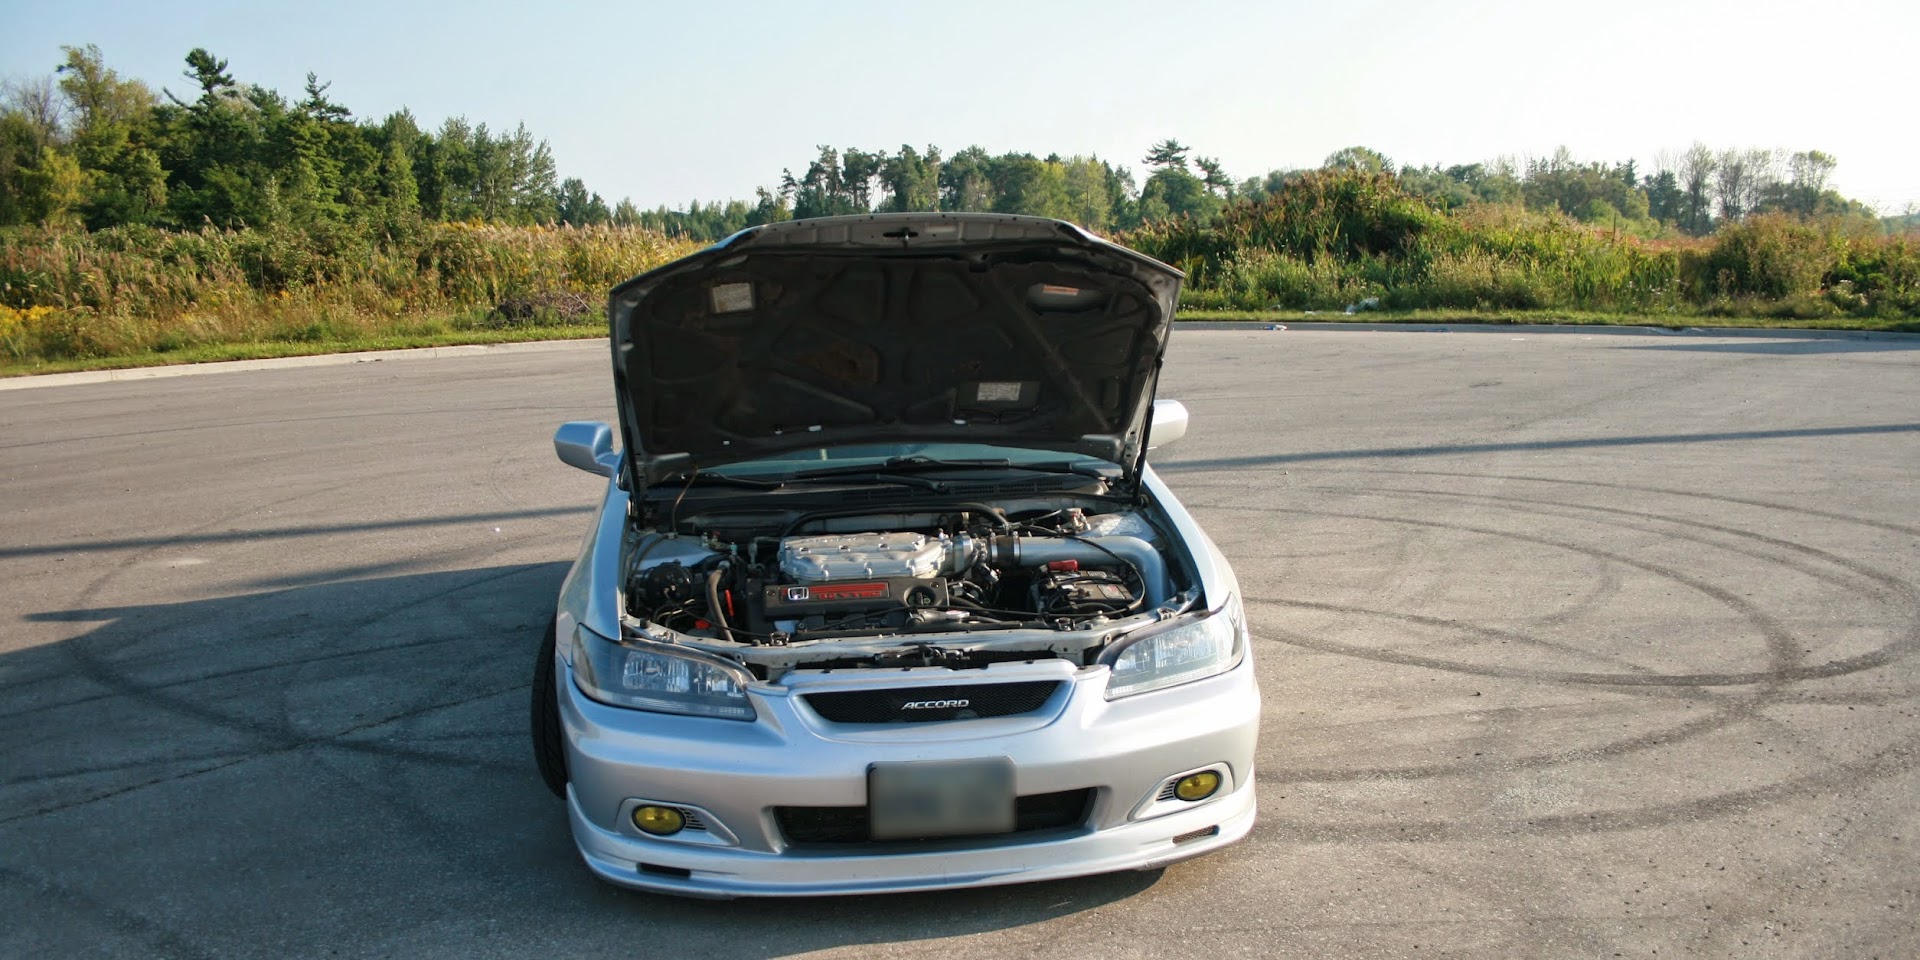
(1571, 646)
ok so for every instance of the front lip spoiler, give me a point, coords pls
(724, 874)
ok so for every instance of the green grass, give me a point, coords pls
(211, 353)
(1672, 321)
(130, 296)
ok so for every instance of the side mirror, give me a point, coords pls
(588, 445)
(1169, 423)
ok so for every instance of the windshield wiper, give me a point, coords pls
(896, 466)
(1102, 471)
(721, 480)
(901, 471)
(922, 460)
(749, 483)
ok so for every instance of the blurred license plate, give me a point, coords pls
(940, 798)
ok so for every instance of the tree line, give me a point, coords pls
(89, 147)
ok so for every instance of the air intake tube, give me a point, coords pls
(1093, 551)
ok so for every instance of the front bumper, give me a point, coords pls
(736, 773)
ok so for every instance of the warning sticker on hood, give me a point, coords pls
(999, 391)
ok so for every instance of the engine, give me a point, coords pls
(955, 576)
(852, 556)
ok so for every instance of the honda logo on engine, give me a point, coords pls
(935, 704)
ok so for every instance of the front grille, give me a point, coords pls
(818, 826)
(968, 701)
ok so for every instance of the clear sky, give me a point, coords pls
(670, 102)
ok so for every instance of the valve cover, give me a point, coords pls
(861, 556)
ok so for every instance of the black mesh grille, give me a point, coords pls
(813, 826)
(957, 702)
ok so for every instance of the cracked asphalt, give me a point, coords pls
(1572, 646)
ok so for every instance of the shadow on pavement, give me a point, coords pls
(287, 533)
(1571, 443)
(1784, 347)
(344, 766)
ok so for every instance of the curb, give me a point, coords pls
(278, 363)
(31, 381)
(1590, 329)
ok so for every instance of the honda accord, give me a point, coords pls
(883, 593)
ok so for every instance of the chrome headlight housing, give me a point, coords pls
(1183, 650)
(647, 675)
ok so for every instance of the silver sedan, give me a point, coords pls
(883, 594)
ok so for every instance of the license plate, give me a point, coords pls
(940, 798)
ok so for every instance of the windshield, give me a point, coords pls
(880, 455)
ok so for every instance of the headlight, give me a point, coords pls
(1189, 649)
(661, 677)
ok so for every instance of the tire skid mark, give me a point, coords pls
(453, 554)
(336, 740)
(1605, 586)
(1781, 645)
(280, 738)
(151, 545)
(1768, 687)
(1894, 760)
(113, 678)
(272, 738)
(1886, 580)
(91, 769)
(1729, 713)
(1834, 668)
(424, 817)
(118, 679)
(500, 493)
(236, 672)
(1724, 714)
(158, 938)
(1480, 631)
(1652, 383)
(1885, 583)
(450, 683)
(360, 416)
(1640, 675)
(1733, 715)
(1889, 526)
(1567, 709)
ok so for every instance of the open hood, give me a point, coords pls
(912, 327)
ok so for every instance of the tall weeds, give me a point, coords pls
(1325, 240)
(67, 294)
(1332, 238)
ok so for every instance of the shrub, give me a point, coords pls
(1338, 215)
(70, 293)
(1771, 257)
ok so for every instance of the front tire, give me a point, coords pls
(549, 748)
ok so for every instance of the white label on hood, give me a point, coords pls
(998, 392)
(732, 297)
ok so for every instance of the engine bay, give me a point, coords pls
(964, 587)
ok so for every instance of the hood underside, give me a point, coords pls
(890, 328)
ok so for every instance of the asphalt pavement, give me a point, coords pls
(1572, 646)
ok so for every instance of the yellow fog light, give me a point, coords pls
(1195, 786)
(659, 821)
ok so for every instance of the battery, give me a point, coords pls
(1073, 592)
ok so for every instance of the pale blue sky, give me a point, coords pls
(668, 102)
